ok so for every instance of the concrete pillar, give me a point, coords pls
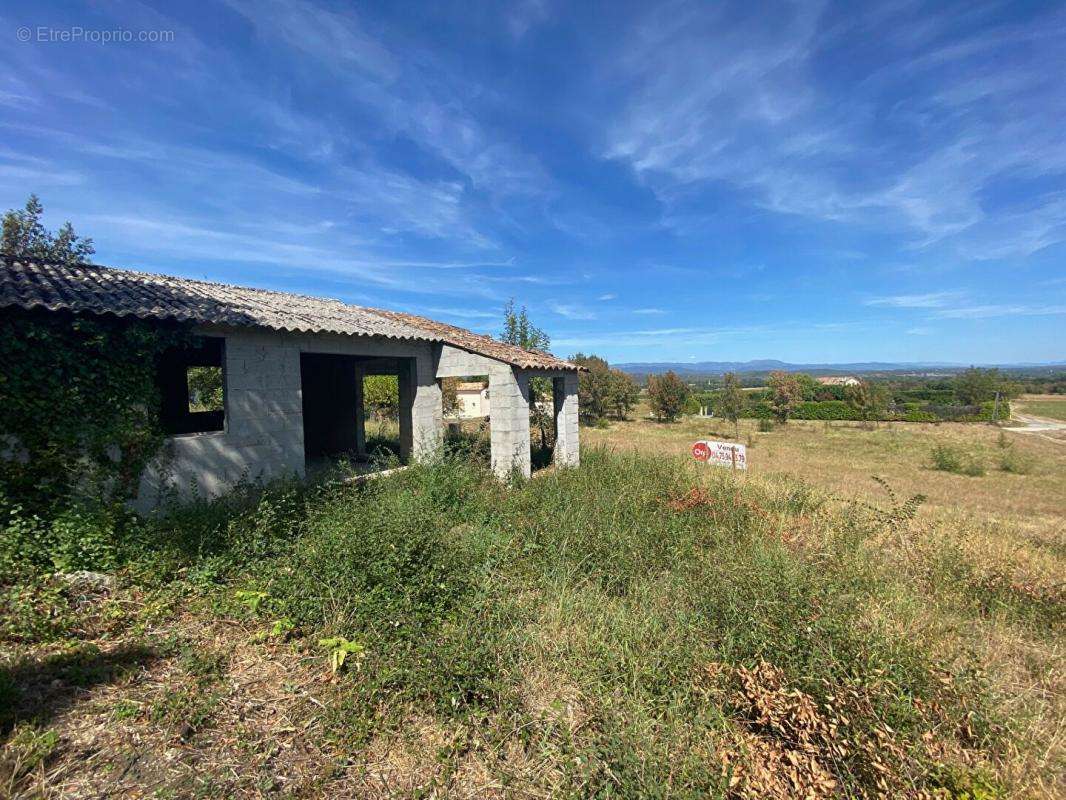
(360, 411)
(427, 411)
(564, 397)
(509, 421)
(421, 410)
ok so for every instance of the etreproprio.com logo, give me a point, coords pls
(78, 34)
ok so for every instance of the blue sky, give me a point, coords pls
(656, 181)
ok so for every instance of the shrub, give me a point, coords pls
(917, 415)
(1011, 461)
(81, 536)
(828, 410)
(949, 459)
(765, 425)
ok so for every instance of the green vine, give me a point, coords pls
(78, 405)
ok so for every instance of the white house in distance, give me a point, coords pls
(472, 400)
(839, 380)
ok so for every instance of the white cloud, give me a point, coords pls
(572, 311)
(465, 313)
(928, 300)
(724, 97)
(983, 312)
(607, 297)
(328, 37)
(412, 92)
(524, 15)
(648, 311)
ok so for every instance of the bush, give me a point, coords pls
(78, 537)
(949, 459)
(916, 415)
(1011, 461)
(827, 410)
(765, 424)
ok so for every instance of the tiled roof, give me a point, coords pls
(87, 288)
(484, 345)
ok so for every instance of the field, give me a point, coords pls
(640, 627)
(840, 457)
(1049, 406)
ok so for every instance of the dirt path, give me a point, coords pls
(1040, 426)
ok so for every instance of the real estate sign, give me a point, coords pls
(724, 454)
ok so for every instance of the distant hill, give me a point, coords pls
(769, 364)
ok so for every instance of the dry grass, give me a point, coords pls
(1049, 406)
(840, 457)
(614, 687)
(1010, 527)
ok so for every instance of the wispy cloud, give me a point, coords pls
(464, 313)
(656, 339)
(724, 97)
(607, 297)
(572, 311)
(927, 300)
(419, 97)
(648, 311)
(983, 312)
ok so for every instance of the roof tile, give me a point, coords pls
(88, 288)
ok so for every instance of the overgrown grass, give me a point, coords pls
(632, 628)
(950, 459)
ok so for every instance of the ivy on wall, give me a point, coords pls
(79, 407)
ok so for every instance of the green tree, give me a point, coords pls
(624, 393)
(784, 395)
(519, 330)
(731, 401)
(24, 236)
(381, 396)
(205, 388)
(808, 386)
(593, 386)
(667, 395)
(603, 390)
(976, 385)
(869, 399)
(449, 395)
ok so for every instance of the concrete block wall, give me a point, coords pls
(509, 422)
(509, 408)
(427, 408)
(263, 436)
(567, 443)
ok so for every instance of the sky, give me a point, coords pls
(675, 181)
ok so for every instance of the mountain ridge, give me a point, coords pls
(769, 364)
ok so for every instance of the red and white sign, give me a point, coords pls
(724, 454)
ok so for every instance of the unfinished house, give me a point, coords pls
(292, 370)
